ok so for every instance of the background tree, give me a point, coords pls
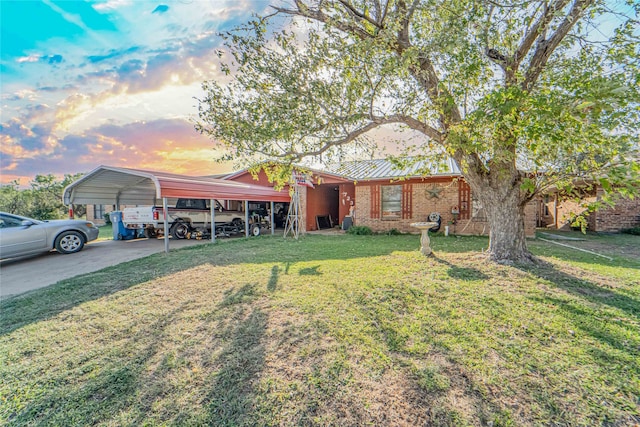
(13, 199)
(42, 200)
(524, 95)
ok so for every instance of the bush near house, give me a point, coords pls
(634, 230)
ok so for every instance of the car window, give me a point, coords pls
(9, 221)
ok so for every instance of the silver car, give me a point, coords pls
(25, 236)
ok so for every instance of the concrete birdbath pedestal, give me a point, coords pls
(424, 239)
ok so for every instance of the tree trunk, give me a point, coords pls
(505, 214)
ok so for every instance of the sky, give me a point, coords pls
(109, 82)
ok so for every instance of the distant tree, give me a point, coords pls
(13, 199)
(524, 95)
(42, 200)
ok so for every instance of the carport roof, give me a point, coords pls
(108, 185)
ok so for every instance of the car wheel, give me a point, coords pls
(69, 242)
(180, 230)
(255, 230)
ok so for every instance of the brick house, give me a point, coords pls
(389, 198)
(382, 197)
(96, 213)
(556, 213)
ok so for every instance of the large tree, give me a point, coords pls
(524, 95)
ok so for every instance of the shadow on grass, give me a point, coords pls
(143, 385)
(310, 271)
(585, 289)
(272, 285)
(232, 394)
(98, 391)
(45, 303)
(461, 273)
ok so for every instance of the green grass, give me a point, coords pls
(330, 330)
(106, 232)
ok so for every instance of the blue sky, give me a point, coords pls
(85, 83)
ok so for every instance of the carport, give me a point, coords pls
(108, 185)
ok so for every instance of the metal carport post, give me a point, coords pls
(212, 206)
(165, 217)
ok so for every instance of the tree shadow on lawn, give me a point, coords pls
(232, 394)
(90, 394)
(21, 310)
(146, 384)
(461, 273)
(620, 347)
(592, 292)
(45, 303)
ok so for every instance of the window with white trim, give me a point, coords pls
(391, 201)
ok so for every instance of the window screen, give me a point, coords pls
(391, 201)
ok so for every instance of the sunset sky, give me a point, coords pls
(108, 82)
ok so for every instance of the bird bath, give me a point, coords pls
(424, 239)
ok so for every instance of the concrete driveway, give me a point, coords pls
(24, 274)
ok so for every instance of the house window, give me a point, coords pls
(98, 211)
(391, 201)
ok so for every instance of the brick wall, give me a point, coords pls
(568, 208)
(91, 213)
(424, 203)
(625, 214)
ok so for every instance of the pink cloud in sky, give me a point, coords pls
(109, 82)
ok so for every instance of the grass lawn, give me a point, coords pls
(331, 330)
(106, 232)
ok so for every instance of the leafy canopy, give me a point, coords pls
(508, 87)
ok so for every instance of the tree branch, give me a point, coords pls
(320, 16)
(360, 15)
(536, 30)
(376, 121)
(423, 71)
(545, 48)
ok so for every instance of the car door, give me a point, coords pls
(18, 239)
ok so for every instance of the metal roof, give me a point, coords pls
(365, 170)
(107, 185)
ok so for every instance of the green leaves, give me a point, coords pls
(42, 200)
(519, 92)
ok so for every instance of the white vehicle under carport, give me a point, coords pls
(189, 217)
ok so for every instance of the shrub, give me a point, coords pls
(107, 218)
(394, 232)
(634, 230)
(360, 230)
